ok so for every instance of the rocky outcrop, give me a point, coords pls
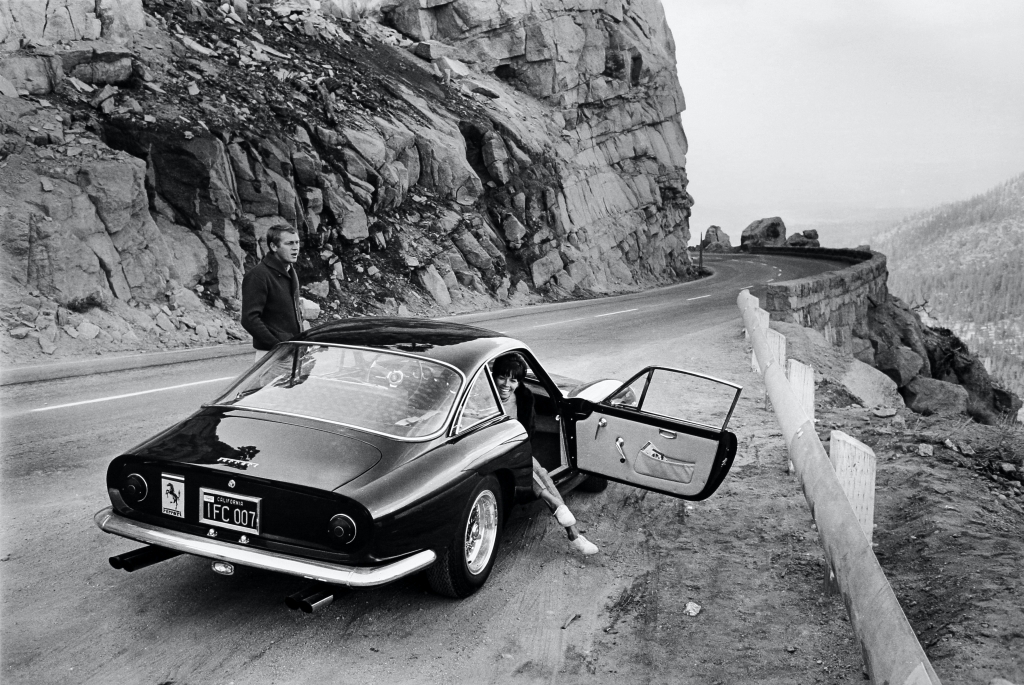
(852, 307)
(870, 387)
(56, 21)
(716, 240)
(769, 232)
(808, 238)
(932, 396)
(454, 167)
(616, 210)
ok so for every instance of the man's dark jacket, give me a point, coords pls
(270, 303)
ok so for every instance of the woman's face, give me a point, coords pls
(506, 386)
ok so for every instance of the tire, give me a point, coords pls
(593, 484)
(464, 565)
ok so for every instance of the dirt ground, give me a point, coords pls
(948, 536)
(749, 557)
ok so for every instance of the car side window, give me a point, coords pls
(679, 395)
(629, 396)
(481, 403)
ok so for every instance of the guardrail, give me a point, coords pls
(892, 653)
(837, 302)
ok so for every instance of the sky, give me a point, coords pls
(846, 110)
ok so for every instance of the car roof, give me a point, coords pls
(462, 346)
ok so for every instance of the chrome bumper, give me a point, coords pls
(354, 576)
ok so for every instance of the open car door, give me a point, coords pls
(663, 430)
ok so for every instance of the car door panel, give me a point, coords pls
(631, 451)
(662, 430)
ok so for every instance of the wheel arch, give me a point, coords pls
(507, 481)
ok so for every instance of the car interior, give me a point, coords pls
(546, 439)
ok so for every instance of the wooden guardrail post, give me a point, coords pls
(854, 463)
(801, 377)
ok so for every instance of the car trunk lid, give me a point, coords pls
(265, 447)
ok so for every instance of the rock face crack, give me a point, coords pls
(46, 16)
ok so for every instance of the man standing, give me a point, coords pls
(270, 292)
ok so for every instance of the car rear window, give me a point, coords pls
(398, 395)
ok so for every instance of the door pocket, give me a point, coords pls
(653, 463)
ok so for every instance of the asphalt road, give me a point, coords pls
(68, 617)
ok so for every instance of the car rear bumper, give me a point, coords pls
(354, 576)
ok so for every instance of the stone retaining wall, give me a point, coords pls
(835, 302)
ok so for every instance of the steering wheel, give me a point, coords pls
(408, 375)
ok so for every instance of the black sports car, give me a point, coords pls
(371, 449)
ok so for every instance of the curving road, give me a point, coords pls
(68, 617)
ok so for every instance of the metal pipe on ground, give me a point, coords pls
(891, 650)
(142, 557)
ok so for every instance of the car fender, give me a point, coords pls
(417, 505)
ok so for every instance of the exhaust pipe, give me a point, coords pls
(311, 598)
(142, 557)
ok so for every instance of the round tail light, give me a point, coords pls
(135, 488)
(342, 528)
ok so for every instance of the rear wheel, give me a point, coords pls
(464, 565)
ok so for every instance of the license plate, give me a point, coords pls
(229, 510)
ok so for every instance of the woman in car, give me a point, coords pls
(509, 371)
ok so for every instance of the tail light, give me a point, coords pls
(342, 529)
(135, 488)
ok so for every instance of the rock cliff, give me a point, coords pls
(435, 159)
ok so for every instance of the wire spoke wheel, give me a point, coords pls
(481, 532)
(464, 564)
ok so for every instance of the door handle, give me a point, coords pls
(619, 442)
(670, 435)
(600, 424)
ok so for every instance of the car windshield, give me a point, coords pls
(397, 395)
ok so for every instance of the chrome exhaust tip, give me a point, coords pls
(311, 598)
(142, 557)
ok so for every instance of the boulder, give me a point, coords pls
(432, 49)
(444, 168)
(87, 330)
(545, 268)
(431, 281)
(862, 349)
(514, 231)
(369, 145)
(306, 166)
(310, 309)
(521, 159)
(769, 232)
(810, 234)
(901, 363)
(801, 240)
(37, 74)
(471, 249)
(716, 240)
(931, 396)
(319, 288)
(871, 387)
(98, 63)
(565, 281)
(348, 214)
(496, 157)
(451, 66)
(1005, 401)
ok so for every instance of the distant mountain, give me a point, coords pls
(964, 262)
